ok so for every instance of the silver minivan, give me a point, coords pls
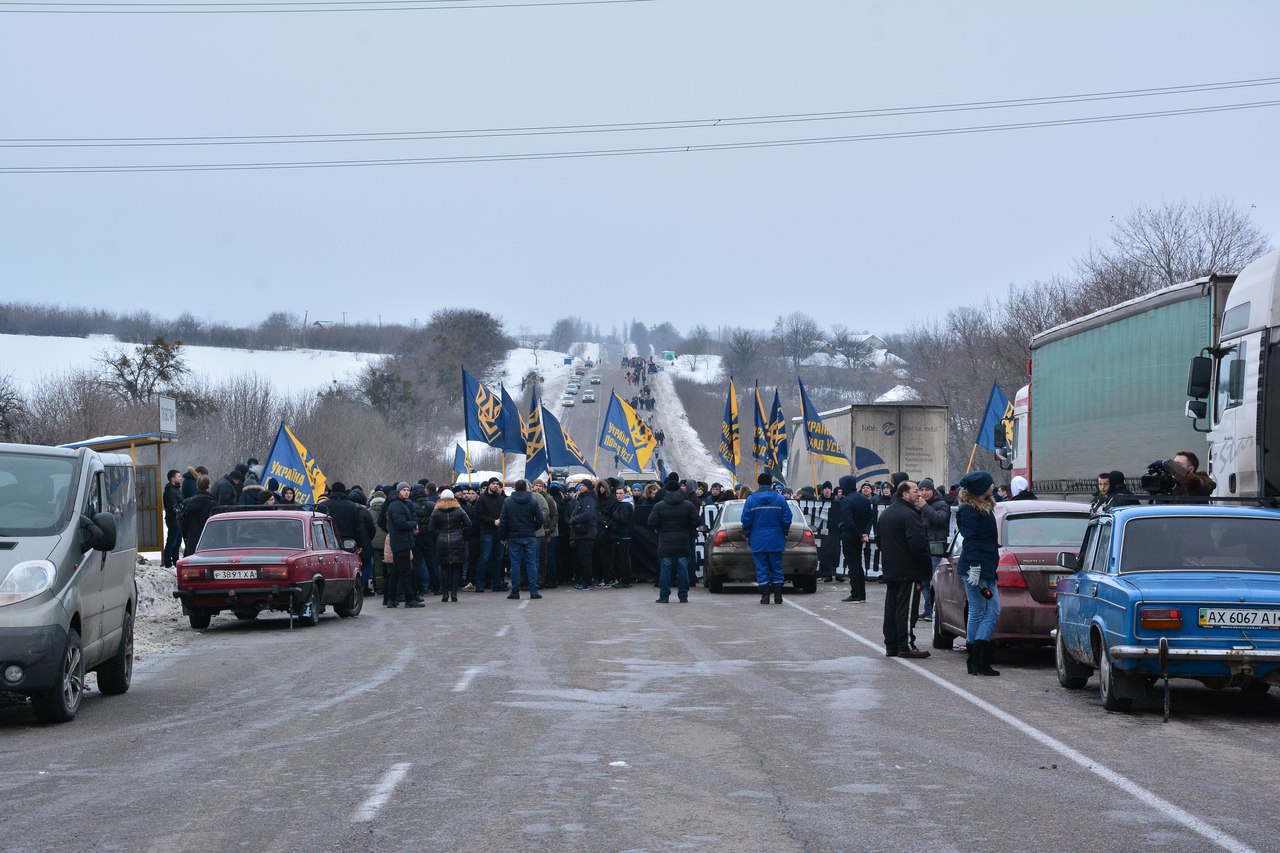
(68, 551)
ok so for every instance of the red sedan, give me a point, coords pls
(1032, 533)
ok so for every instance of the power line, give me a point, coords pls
(622, 152)
(284, 6)
(627, 127)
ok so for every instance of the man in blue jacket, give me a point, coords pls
(766, 519)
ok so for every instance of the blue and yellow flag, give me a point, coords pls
(998, 409)
(461, 462)
(778, 451)
(760, 432)
(730, 440)
(615, 433)
(534, 441)
(512, 426)
(820, 441)
(561, 450)
(482, 411)
(291, 464)
(643, 440)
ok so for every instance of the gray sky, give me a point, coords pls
(869, 234)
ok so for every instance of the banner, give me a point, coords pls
(461, 464)
(291, 464)
(818, 438)
(642, 438)
(998, 409)
(730, 441)
(759, 432)
(778, 451)
(561, 450)
(535, 444)
(512, 426)
(482, 412)
(615, 434)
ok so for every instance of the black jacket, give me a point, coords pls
(195, 512)
(521, 517)
(225, 491)
(674, 519)
(449, 525)
(584, 520)
(401, 519)
(620, 515)
(904, 543)
(852, 515)
(937, 518)
(172, 502)
(346, 518)
(489, 510)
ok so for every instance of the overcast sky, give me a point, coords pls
(871, 234)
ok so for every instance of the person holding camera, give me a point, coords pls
(1183, 470)
(979, 557)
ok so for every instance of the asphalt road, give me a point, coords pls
(599, 720)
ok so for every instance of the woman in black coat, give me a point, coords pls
(449, 525)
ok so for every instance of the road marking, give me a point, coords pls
(373, 804)
(523, 604)
(1122, 782)
(465, 681)
(502, 632)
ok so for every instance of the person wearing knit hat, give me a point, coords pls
(766, 520)
(979, 556)
(673, 481)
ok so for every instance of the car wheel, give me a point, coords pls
(1256, 687)
(1107, 684)
(715, 584)
(246, 615)
(60, 703)
(308, 613)
(115, 675)
(199, 617)
(354, 603)
(1072, 674)
(942, 638)
(807, 584)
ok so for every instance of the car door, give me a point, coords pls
(91, 574)
(1093, 572)
(948, 589)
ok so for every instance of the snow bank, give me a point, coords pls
(703, 369)
(683, 451)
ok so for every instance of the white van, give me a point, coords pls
(68, 551)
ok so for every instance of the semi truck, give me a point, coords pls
(879, 439)
(1109, 391)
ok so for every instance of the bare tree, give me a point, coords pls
(746, 352)
(796, 335)
(13, 410)
(140, 374)
(850, 348)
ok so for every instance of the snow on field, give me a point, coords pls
(30, 358)
(703, 369)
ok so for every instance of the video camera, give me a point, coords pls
(1157, 481)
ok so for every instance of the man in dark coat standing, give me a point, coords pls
(904, 549)
(173, 528)
(227, 490)
(852, 520)
(583, 526)
(488, 513)
(674, 519)
(518, 526)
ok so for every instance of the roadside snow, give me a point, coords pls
(683, 451)
(30, 358)
(703, 369)
(160, 626)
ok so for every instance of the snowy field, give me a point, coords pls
(31, 358)
(703, 369)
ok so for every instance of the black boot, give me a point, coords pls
(777, 595)
(971, 659)
(985, 653)
(764, 595)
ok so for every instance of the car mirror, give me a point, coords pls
(1067, 560)
(98, 532)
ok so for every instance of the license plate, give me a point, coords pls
(235, 574)
(1218, 617)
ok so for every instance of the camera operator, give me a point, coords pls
(1183, 469)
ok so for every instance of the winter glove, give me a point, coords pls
(975, 574)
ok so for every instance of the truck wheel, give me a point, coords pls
(308, 613)
(1107, 684)
(115, 675)
(353, 604)
(942, 638)
(60, 703)
(199, 617)
(1072, 674)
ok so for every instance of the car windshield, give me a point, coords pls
(36, 493)
(221, 534)
(1190, 543)
(1044, 530)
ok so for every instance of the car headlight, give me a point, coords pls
(26, 580)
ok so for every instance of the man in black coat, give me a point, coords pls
(227, 490)
(518, 527)
(488, 513)
(904, 550)
(195, 512)
(584, 525)
(852, 521)
(173, 529)
(674, 519)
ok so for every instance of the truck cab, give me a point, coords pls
(1233, 385)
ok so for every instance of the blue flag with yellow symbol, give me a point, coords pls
(562, 452)
(778, 451)
(291, 464)
(998, 409)
(818, 438)
(482, 411)
(643, 440)
(759, 432)
(461, 464)
(730, 450)
(512, 426)
(615, 434)
(534, 441)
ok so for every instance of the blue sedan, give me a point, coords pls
(1191, 591)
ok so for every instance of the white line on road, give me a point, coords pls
(373, 804)
(1122, 782)
(465, 681)
(523, 604)
(502, 632)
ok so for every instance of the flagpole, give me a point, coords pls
(814, 471)
(972, 453)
